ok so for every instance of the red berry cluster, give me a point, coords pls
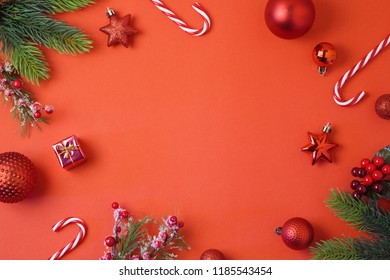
(371, 173)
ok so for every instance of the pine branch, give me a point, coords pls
(335, 249)
(54, 34)
(30, 62)
(60, 6)
(24, 25)
(377, 248)
(347, 208)
(364, 216)
(136, 231)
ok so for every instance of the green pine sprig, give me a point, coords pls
(25, 26)
(363, 216)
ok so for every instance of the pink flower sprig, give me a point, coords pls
(24, 107)
(131, 240)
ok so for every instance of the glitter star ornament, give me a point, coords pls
(118, 30)
(319, 146)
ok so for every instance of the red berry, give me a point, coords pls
(370, 168)
(119, 229)
(36, 106)
(362, 189)
(364, 162)
(355, 184)
(115, 205)
(386, 169)
(180, 224)
(108, 256)
(16, 84)
(356, 195)
(355, 171)
(377, 175)
(378, 161)
(49, 109)
(362, 172)
(109, 241)
(124, 214)
(367, 180)
(377, 187)
(37, 114)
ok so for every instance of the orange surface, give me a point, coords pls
(207, 128)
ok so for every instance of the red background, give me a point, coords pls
(207, 128)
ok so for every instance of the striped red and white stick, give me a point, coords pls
(171, 15)
(73, 244)
(373, 53)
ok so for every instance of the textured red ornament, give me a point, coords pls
(319, 146)
(17, 177)
(119, 29)
(382, 106)
(212, 254)
(289, 19)
(297, 233)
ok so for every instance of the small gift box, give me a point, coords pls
(69, 152)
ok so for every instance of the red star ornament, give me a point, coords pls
(319, 145)
(119, 29)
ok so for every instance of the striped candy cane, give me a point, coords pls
(373, 53)
(71, 245)
(171, 15)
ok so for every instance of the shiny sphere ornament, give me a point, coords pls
(289, 19)
(212, 254)
(17, 177)
(324, 55)
(382, 106)
(297, 233)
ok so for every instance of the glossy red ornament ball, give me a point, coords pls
(378, 161)
(49, 109)
(324, 54)
(17, 177)
(124, 214)
(377, 187)
(297, 233)
(386, 169)
(16, 84)
(289, 19)
(212, 254)
(109, 241)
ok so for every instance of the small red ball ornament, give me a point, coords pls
(297, 233)
(17, 177)
(212, 254)
(16, 84)
(289, 19)
(109, 241)
(324, 55)
(382, 106)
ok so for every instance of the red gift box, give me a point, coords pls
(69, 152)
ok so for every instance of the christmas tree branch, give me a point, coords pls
(60, 6)
(364, 216)
(30, 62)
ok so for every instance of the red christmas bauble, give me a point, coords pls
(297, 233)
(17, 177)
(324, 54)
(212, 254)
(382, 106)
(289, 19)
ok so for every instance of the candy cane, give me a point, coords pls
(171, 15)
(71, 245)
(373, 53)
